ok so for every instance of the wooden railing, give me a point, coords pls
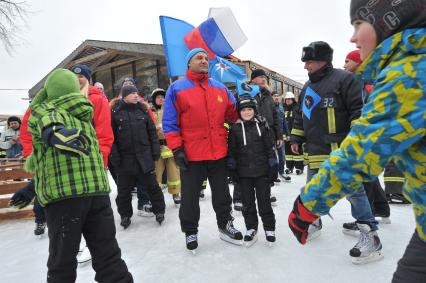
(12, 178)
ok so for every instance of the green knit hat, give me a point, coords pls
(61, 82)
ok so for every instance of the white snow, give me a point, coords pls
(156, 253)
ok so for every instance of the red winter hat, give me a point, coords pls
(354, 56)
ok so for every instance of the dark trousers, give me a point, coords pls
(236, 195)
(412, 266)
(126, 183)
(142, 193)
(252, 189)
(290, 163)
(377, 198)
(93, 217)
(281, 160)
(192, 182)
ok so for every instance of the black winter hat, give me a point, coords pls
(317, 51)
(389, 17)
(128, 89)
(245, 101)
(257, 73)
(81, 69)
(13, 119)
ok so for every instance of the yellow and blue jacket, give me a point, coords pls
(392, 125)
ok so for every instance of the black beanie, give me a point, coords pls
(317, 51)
(389, 17)
(128, 89)
(257, 73)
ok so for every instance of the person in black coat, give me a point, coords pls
(250, 159)
(133, 154)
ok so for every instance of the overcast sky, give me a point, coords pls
(276, 30)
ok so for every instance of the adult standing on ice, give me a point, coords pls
(195, 110)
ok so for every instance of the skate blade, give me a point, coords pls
(177, 205)
(351, 232)
(39, 237)
(312, 236)
(193, 252)
(383, 220)
(248, 244)
(144, 214)
(270, 244)
(274, 204)
(229, 240)
(367, 259)
(82, 262)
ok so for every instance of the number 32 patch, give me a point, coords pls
(328, 102)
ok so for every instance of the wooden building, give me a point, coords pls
(112, 61)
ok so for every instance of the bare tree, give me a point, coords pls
(12, 18)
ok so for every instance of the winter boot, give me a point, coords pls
(39, 229)
(176, 199)
(191, 241)
(270, 237)
(159, 217)
(299, 172)
(314, 230)
(145, 210)
(85, 256)
(250, 238)
(238, 206)
(351, 229)
(125, 222)
(368, 248)
(230, 234)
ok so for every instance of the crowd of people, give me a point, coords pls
(346, 126)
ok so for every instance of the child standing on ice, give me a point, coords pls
(250, 158)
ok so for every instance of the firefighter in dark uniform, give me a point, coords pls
(291, 160)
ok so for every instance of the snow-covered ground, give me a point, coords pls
(156, 253)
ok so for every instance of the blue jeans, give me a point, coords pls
(360, 206)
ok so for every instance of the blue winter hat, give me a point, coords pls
(81, 69)
(192, 54)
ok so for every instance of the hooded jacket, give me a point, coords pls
(195, 110)
(57, 175)
(266, 108)
(392, 124)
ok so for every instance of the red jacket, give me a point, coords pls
(24, 136)
(195, 111)
(102, 121)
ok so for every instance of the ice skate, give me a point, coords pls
(230, 234)
(145, 210)
(299, 172)
(238, 206)
(270, 237)
(314, 230)
(383, 219)
(368, 248)
(85, 256)
(274, 201)
(285, 177)
(250, 238)
(176, 199)
(39, 229)
(125, 222)
(159, 217)
(288, 171)
(191, 242)
(351, 229)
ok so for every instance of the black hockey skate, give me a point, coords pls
(250, 238)
(39, 229)
(270, 237)
(230, 234)
(350, 229)
(125, 222)
(191, 241)
(159, 217)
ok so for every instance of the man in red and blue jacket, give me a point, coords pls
(195, 111)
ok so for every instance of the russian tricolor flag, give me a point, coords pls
(219, 35)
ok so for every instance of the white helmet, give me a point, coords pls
(289, 95)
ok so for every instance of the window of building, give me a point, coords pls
(146, 76)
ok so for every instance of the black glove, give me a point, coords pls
(233, 174)
(299, 220)
(23, 197)
(71, 142)
(180, 159)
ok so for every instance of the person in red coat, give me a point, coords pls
(195, 111)
(102, 113)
